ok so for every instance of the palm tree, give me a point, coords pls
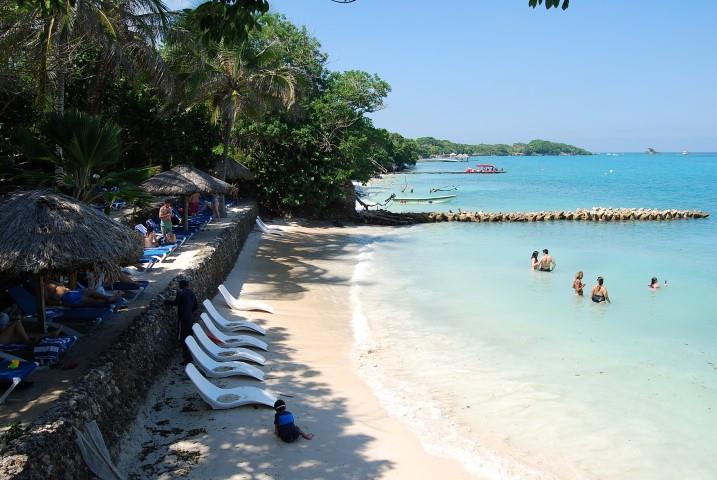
(233, 80)
(52, 31)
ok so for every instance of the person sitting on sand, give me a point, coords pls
(14, 332)
(599, 292)
(284, 426)
(578, 283)
(62, 295)
(534, 260)
(546, 263)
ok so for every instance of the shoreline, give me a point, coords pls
(306, 276)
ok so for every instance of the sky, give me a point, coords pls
(607, 75)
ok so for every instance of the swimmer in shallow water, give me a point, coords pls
(578, 283)
(546, 262)
(599, 292)
(534, 260)
(655, 284)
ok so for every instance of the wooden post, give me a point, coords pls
(72, 280)
(186, 213)
(40, 302)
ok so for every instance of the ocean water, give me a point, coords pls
(509, 371)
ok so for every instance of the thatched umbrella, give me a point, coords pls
(185, 180)
(44, 231)
(237, 171)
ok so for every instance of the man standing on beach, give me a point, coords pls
(187, 306)
(546, 262)
(165, 217)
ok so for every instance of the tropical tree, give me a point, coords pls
(550, 3)
(49, 33)
(233, 80)
(91, 149)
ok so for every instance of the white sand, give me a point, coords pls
(306, 277)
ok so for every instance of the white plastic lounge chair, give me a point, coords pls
(231, 340)
(271, 229)
(212, 368)
(221, 398)
(236, 304)
(231, 325)
(222, 354)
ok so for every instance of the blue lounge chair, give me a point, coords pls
(27, 305)
(13, 372)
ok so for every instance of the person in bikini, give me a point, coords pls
(534, 260)
(578, 284)
(599, 292)
(14, 332)
(61, 295)
(546, 262)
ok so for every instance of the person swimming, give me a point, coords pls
(546, 262)
(578, 283)
(654, 284)
(534, 260)
(599, 292)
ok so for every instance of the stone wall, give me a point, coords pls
(383, 217)
(112, 391)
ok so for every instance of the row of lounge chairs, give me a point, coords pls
(218, 351)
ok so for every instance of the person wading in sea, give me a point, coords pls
(599, 292)
(546, 262)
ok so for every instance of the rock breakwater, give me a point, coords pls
(383, 217)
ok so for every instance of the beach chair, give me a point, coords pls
(231, 325)
(268, 228)
(222, 398)
(46, 351)
(231, 340)
(212, 368)
(265, 229)
(26, 302)
(236, 304)
(13, 372)
(222, 354)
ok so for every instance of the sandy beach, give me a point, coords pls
(305, 275)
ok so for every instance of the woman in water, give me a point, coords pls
(654, 284)
(599, 292)
(534, 260)
(578, 284)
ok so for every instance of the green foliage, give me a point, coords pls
(90, 149)
(549, 3)
(432, 147)
(226, 21)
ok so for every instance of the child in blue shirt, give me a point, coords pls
(284, 426)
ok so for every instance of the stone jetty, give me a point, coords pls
(383, 217)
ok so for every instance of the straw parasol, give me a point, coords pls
(185, 180)
(44, 231)
(237, 171)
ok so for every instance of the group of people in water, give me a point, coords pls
(598, 294)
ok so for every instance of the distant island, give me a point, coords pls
(429, 147)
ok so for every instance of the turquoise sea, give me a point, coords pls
(509, 371)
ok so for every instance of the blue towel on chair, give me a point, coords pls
(48, 350)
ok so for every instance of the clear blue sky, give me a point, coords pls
(608, 75)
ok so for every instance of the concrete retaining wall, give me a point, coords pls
(113, 390)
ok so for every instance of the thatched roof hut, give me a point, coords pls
(185, 180)
(44, 231)
(236, 170)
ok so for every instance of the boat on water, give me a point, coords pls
(429, 199)
(685, 152)
(485, 169)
